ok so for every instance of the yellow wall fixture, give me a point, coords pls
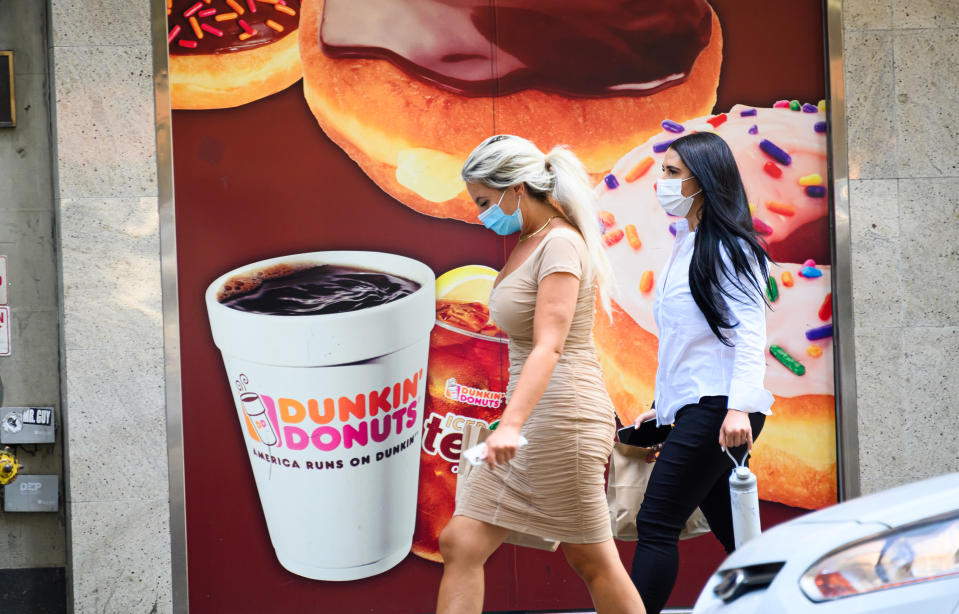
(9, 466)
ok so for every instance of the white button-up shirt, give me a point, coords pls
(693, 363)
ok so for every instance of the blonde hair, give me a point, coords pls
(506, 160)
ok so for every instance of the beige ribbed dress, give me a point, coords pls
(552, 488)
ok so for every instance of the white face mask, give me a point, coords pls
(671, 199)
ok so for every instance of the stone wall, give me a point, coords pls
(903, 133)
(112, 342)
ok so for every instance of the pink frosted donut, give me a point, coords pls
(800, 439)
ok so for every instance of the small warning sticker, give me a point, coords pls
(4, 330)
(3, 280)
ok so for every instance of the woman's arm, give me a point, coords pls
(746, 390)
(555, 306)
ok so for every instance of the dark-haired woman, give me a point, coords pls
(710, 311)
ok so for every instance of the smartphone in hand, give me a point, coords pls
(646, 435)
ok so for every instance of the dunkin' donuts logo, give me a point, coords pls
(330, 423)
(473, 396)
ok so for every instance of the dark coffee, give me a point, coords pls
(313, 289)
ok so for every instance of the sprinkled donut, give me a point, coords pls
(781, 154)
(225, 53)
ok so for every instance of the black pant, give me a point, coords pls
(691, 471)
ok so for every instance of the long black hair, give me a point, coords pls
(725, 225)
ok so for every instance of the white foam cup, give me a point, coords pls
(331, 410)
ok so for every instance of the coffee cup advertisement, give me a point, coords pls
(333, 278)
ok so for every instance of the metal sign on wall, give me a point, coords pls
(349, 148)
(8, 107)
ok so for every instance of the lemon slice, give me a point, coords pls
(469, 283)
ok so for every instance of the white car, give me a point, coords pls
(896, 551)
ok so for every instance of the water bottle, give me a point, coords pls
(744, 500)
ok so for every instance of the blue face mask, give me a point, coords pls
(500, 223)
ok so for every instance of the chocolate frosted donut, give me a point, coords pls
(224, 53)
(578, 48)
(408, 88)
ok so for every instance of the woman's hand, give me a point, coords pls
(649, 415)
(736, 430)
(501, 445)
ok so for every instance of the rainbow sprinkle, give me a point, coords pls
(825, 310)
(810, 272)
(762, 227)
(820, 332)
(787, 361)
(772, 290)
(663, 146)
(211, 29)
(226, 16)
(754, 129)
(814, 351)
(781, 208)
(285, 9)
(814, 179)
(207, 12)
(173, 34)
(640, 169)
(772, 170)
(787, 278)
(646, 282)
(781, 104)
(187, 44)
(810, 108)
(747, 113)
(815, 191)
(273, 24)
(196, 27)
(717, 120)
(820, 127)
(775, 152)
(236, 7)
(794, 105)
(193, 9)
(821, 106)
(606, 218)
(613, 237)
(611, 182)
(671, 126)
(633, 237)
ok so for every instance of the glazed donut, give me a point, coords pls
(781, 154)
(225, 53)
(409, 112)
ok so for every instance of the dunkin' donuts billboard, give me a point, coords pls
(334, 280)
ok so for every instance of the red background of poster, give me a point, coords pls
(263, 180)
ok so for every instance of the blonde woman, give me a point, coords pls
(543, 299)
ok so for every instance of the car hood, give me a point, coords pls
(805, 539)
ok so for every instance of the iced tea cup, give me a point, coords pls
(465, 383)
(330, 404)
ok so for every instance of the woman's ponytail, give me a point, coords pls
(572, 193)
